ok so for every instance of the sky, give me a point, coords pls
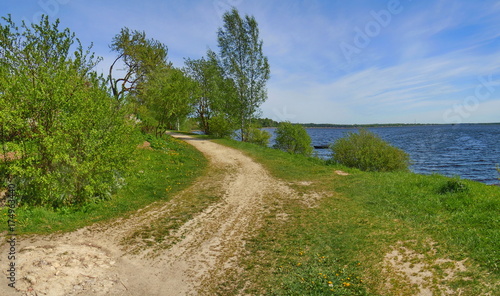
(332, 61)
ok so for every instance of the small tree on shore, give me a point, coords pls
(293, 138)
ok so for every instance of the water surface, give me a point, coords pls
(469, 151)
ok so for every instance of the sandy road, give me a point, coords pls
(91, 260)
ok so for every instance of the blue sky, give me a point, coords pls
(331, 61)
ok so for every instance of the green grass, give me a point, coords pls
(338, 247)
(154, 175)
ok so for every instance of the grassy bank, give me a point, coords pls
(374, 233)
(156, 174)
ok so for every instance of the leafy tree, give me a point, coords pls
(140, 56)
(367, 152)
(293, 138)
(215, 94)
(68, 139)
(168, 95)
(243, 62)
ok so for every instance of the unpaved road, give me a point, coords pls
(92, 261)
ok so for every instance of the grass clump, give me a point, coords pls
(367, 152)
(293, 138)
(454, 185)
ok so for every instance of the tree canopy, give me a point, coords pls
(244, 62)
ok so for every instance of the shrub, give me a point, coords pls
(454, 185)
(221, 127)
(367, 152)
(293, 139)
(72, 139)
(258, 136)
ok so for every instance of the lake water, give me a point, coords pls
(469, 151)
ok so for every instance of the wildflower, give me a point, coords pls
(346, 284)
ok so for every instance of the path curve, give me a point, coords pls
(91, 261)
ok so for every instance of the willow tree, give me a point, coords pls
(243, 61)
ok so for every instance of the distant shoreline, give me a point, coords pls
(382, 125)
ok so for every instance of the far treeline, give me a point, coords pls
(266, 122)
(67, 132)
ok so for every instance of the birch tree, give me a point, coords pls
(244, 62)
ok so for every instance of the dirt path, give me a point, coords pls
(91, 260)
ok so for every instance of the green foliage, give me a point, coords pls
(367, 152)
(214, 93)
(244, 63)
(266, 122)
(72, 142)
(293, 138)
(167, 96)
(221, 126)
(258, 136)
(140, 57)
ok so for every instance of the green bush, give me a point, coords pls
(258, 136)
(221, 127)
(73, 141)
(293, 139)
(367, 152)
